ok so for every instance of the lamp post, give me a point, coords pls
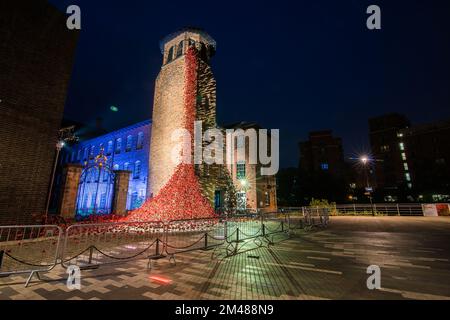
(365, 162)
(64, 135)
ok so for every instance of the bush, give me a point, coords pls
(323, 203)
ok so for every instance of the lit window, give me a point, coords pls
(408, 176)
(126, 166)
(402, 146)
(240, 170)
(267, 199)
(324, 166)
(137, 170)
(110, 148)
(405, 166)
(403, 156)
(116, 167)
(384, 148)
(399, 135)
(129, 143)
(118, 145)
(140, 141)
(410, 185)
(91, 152)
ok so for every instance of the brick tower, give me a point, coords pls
(169, 108)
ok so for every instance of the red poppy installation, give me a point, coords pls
(181, 197)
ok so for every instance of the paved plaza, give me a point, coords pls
(412, 252)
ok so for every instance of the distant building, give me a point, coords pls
(322, 170)
(125, 149)
(412, 160)
(36, 58)
(425, 153)
(385, 147)
(322, 152)
(253, 191)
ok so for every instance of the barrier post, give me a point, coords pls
(206, 240)
(225, 230)
(282, 226)
(263, 228)
(237, 234)
(91, 251)
(1, 258)
(157, 253)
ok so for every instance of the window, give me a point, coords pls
(110, 148)
(267, 199)
(137, 170)
(324, 166)
(240, 170)
(129, 143)
(118, 145)
(180, 49)
(103, 201)
(384, 148)
(140, 141)
(170, 55)
(403, 156)
(408, 176)
(91, 152)
(85, 154)
(126, 166)
(399, 135)
(405, 166)
(402, 146)
(116, 167)
(102, 149)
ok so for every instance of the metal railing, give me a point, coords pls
(380, 209)
(92, 245)
(29, 249)
(34, 249)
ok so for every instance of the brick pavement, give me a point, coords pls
(413, 253)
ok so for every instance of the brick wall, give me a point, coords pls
(36, 56)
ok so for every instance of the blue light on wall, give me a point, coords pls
(126, 149)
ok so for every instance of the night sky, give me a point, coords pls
(295, 66)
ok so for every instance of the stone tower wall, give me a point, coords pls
(168, 116)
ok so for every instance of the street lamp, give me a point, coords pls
(64, 135)
(365, 161)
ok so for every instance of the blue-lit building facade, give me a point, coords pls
(125, 149)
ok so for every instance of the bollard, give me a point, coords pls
(1, 258)
(237, 234)
(282, 226)
(206, 241)
(263, 230)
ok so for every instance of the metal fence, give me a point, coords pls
(29, 249)
(380, 209)
(389, 209)
(92, 245)
(34, 249)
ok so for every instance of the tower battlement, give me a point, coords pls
(175, 45)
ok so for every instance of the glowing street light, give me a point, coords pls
(364, 159)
